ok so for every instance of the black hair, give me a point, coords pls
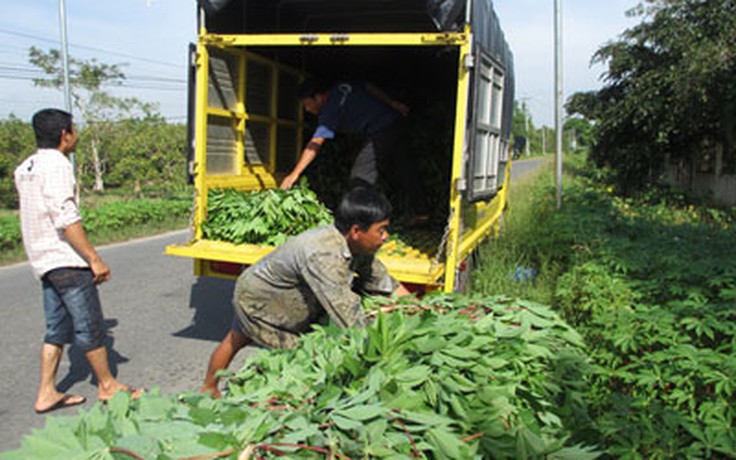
(361, 206)
(311, 87)
(48, 125)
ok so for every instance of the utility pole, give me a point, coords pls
(65, 56)
(544, 143)
(65, 71)
(526, 130)
(527, 116)
(558, 101)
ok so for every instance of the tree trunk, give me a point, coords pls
(99, 183)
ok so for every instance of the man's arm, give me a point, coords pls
(77, 237)
(386, 99)
(308, 155)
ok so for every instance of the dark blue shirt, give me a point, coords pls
(351, 109)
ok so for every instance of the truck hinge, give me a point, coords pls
(469, 61)
(339, 38)
(308, 38)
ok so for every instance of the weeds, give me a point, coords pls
(650, 282)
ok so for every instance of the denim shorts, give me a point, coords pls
(72, 308)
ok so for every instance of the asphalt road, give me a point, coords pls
(162, 324)
(525, 166)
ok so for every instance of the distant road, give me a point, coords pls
(522, 167)
(163, 323)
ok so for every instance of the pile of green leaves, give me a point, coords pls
(468, 378)
(264, 216)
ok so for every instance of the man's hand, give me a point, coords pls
(77, 237)
(289, 181)
(400, 107)
(100, 270)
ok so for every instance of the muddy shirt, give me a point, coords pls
(309, 279)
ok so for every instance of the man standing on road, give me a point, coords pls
(365, 110)
(63, 259)
(314, 277)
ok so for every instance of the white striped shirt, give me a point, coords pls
(48, 204)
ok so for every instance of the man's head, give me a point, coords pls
(363, 217)
(313, 95)
(54, 129)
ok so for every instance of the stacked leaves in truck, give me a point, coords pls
(262, 217)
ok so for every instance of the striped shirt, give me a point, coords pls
(48, 204)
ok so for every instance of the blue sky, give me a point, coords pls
(148, 39)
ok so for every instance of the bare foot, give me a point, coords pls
(105, 396)
(212, 391)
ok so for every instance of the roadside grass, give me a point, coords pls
(109, 218)
(650, 282)
(506, 262)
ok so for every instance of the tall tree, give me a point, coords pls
(16, 142)
(97, 107)
(670, 87)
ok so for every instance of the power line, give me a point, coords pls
(30, 73)
(91, 48)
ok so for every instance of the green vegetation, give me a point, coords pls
(108, 220)
(125, 148)
(465, 378)
(263, 217)
(669, 92)
(650, 283)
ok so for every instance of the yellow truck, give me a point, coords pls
(447, 59)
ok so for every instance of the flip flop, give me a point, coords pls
(63, 402)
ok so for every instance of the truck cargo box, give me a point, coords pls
(447, 60)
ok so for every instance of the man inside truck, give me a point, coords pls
(314, 277)
(365, 110)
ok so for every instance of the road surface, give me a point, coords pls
(162, 325)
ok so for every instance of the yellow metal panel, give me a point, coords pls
(490, 221)
(241, 110)
(273, 109)
(338, 39)
(200, 149)
(257, 179)
(221, 251)
(405, 269)
(218, 112)
(461, 110)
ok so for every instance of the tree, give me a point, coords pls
(16, 142)
(146, 151)
(580, 132)
(98, 109)
(669, 88)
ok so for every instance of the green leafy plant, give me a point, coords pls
(262, 217)
(648, 281)
(463, 378)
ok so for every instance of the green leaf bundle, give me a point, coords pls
(262, 217)
(467, 378)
